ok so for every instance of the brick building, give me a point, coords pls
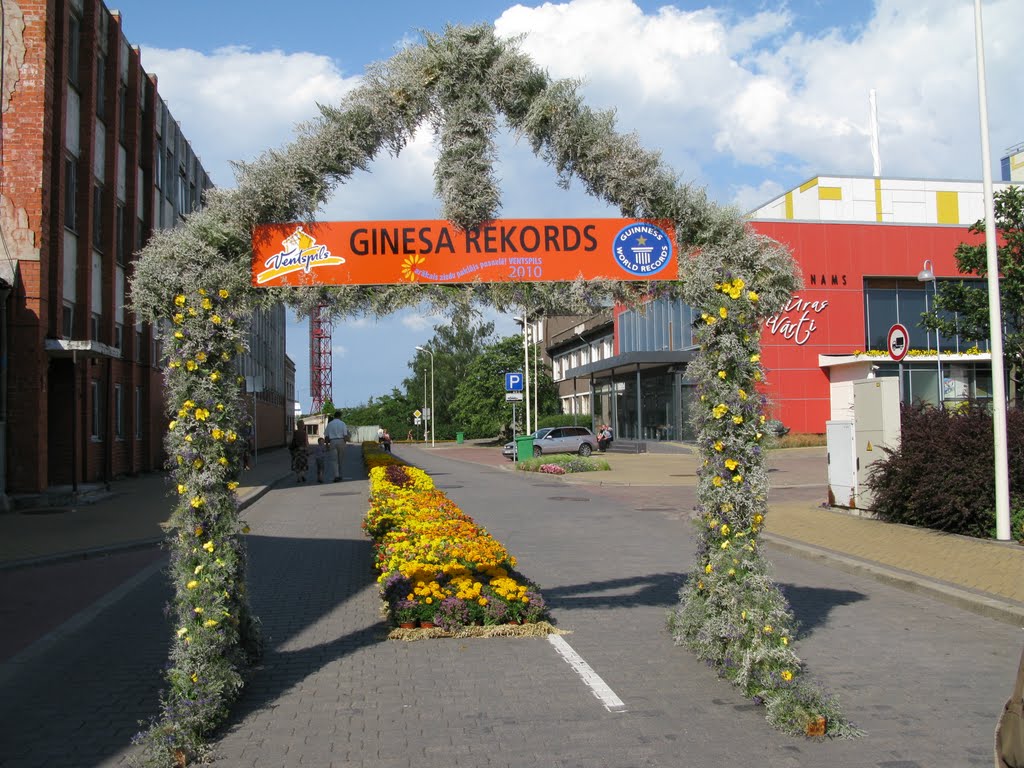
(92, 163)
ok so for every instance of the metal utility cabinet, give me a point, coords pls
(854, 446)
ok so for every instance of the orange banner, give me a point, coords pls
(431, 252)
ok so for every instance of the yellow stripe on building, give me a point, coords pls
(789, 205)
(878, 199)
(808, 184)
(947, 207)
(830, 193)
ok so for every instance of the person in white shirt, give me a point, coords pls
(336, 435)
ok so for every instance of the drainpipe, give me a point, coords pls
(5, 290)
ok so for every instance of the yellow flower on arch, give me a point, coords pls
(723, 312)
(787, 675)
(410, 265)
(223, 293)
(731, 464)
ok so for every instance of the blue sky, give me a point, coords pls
(747, 98)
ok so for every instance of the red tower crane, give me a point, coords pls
(320, 368)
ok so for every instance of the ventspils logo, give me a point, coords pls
(299, 253)
(642, 249)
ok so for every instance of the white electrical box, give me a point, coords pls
(876, 425)
(842, 464)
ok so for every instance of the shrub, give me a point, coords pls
(568, 462)
(942, 475)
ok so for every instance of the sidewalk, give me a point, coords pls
(130, 517)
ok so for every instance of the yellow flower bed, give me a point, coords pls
(435, 562)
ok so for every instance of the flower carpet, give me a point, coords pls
(440, 573)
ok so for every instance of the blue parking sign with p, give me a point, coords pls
(514, 382)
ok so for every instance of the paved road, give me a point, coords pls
(924, 679)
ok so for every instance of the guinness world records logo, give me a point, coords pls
(642, 249)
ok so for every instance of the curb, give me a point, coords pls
(1006, 611)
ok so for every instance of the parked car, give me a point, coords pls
(560, 440)
(509, 451)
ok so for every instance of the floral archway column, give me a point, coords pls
(731, 613)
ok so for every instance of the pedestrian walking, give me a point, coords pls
(320, 457)
(336, 435)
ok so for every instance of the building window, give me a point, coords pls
(122, 112)
(94, 327)
(97, 217)
(97, 410)
(138, 412)
(893, 300)
(119, 234)
(158, 172)
(71, 193)
(183, 204)
(119, 411)
(74, 47)
(101, 85)
(139, 348)
(67, 320)
(119, 336)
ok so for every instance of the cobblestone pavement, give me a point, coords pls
(924, 678)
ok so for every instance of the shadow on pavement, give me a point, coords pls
(295, 584)
(80, 701)
(812, 605)
(653, 589)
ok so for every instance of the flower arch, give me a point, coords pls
(193, 282)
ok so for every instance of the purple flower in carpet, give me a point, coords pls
(451, 614)
(495, 612)
(536, 609)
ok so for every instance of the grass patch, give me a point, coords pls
(808, 440)
(568, 462)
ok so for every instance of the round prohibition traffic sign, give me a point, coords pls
(898, 342)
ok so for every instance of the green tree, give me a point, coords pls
(392, 411)
(328, 407)
(479, 405)
(455, 346)
(962, 308)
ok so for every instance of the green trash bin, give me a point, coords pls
(524, 447)
(460, 437)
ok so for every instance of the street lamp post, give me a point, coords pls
(927, 275)
(995, 319)
(433, 422)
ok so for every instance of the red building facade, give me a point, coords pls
(838, 263)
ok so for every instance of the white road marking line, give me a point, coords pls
(598, 686)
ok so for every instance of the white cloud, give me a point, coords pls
(747, 197)
(705, 87)
(415, 321)
(235, 102)
(339, 350)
